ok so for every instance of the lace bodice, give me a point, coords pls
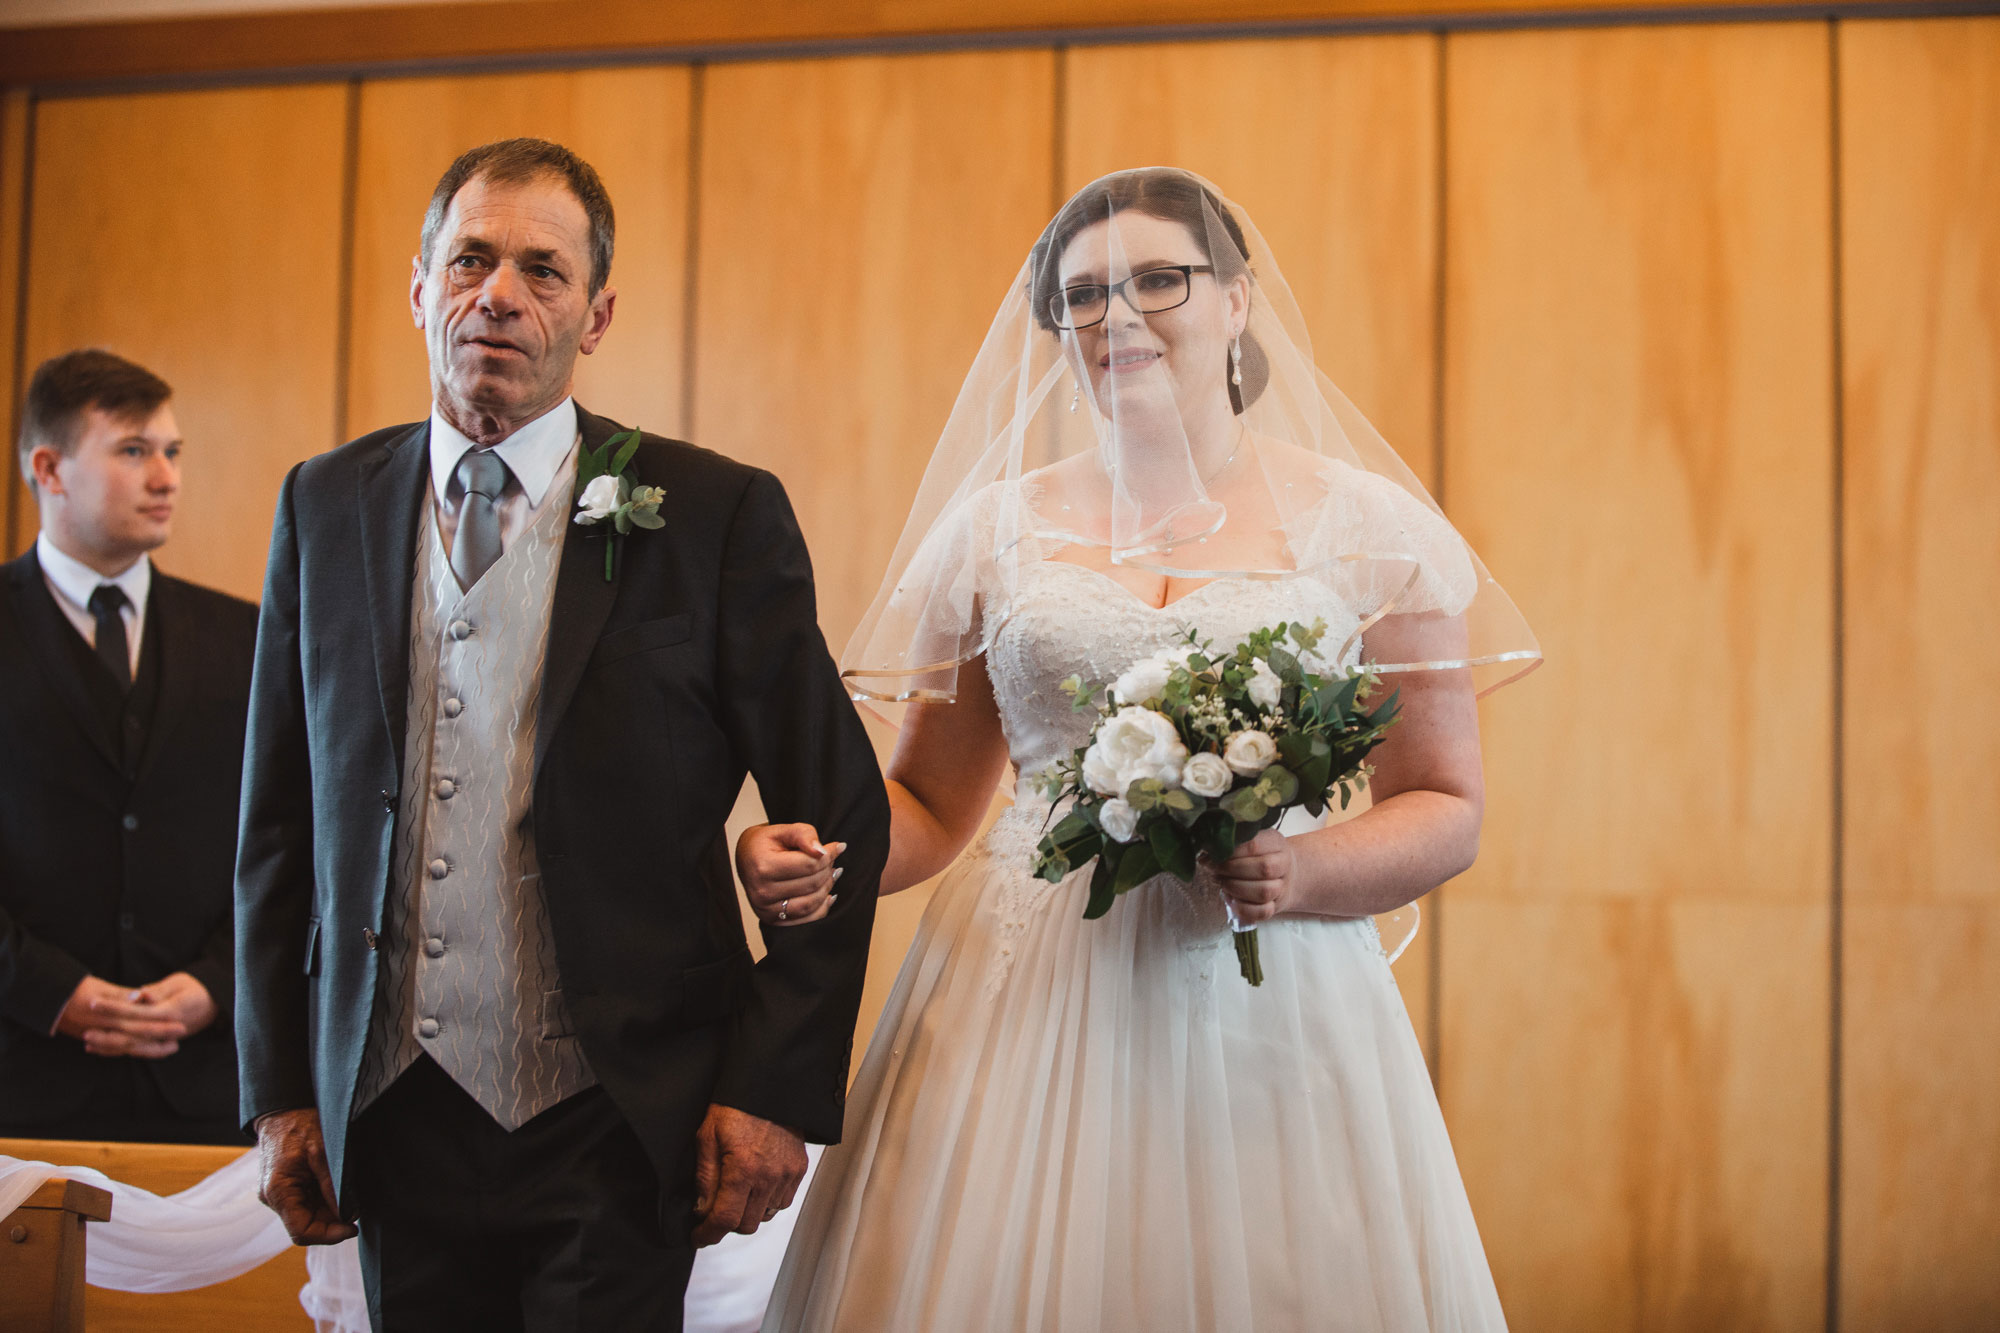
(1065, 620)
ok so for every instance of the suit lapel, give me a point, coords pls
(43, 625)
(390, 494)
(583, 601)
(169, 635)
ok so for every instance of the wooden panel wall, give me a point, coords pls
(1920, 1150)
(199, 234)
(1630, 236)
(860, 222)
(632, 125)
(1638, 436)
(17, 526)
(1331, 146)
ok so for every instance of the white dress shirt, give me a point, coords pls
(534, 455)
(71, 582)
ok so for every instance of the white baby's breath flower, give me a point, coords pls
(1264, 686)
(1133, 743)
(1250, 753)
(598, 501)
(1206, 774)
(1118, 820)
(1146, 679)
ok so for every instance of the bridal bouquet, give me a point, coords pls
(1195, 751)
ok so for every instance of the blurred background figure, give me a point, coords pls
(122, 701)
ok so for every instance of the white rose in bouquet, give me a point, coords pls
(1146, 679)
(1206, 774)
(1134, 743)
(1250, 753)
(599, 500)
(1264, 686)
(1118, 819)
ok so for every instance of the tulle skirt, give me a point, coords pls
(1070, 1125)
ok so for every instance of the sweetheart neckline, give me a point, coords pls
(1135, 599)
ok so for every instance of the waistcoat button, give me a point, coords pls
(461, 630)
(439, 868)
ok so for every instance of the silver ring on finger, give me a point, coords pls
(770, 1213)
(781, 908)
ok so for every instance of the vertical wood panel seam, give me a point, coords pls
(1058, 129)
(343, 332)
(691, 280)
(1434, 984)
(1837, 887)
(16, 495)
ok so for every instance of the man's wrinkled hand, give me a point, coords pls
(746, 1172)
(297, 1185)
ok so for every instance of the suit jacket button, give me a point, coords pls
(368, 936)
(130, 822)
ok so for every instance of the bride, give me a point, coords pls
(1077, 1125)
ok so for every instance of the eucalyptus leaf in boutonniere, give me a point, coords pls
(606, 493)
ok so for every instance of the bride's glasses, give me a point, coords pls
(1148, 292)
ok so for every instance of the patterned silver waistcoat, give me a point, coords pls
(467, 967)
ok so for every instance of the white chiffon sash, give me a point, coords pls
(216, 1230)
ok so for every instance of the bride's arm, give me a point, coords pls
(949, 757)
(1428, 797)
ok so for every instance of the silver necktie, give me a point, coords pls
(476, 546)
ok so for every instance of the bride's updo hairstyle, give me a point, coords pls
(1171, 196)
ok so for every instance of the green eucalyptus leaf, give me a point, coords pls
(1102, 894)
(1173, 849)
(625, 452)
(646, 518)
(1135, 867)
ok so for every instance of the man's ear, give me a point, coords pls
(42, 461)
(417, 290)
(600, 320)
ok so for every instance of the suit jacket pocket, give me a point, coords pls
(715, 990)
(555, 1017)
(643, 637)
(312, 947)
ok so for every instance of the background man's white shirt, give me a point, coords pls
(71, 582)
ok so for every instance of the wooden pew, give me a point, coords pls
(264, 1300)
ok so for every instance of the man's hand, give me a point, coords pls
(114, 1020)
(297, 1185)
(745, 1172)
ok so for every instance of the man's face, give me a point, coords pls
(116, 489)
(504, 304)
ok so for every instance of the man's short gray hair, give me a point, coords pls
(512, 162)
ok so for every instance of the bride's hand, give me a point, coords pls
(787, 873)
(1257, 877)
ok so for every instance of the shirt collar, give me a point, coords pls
(534, 453)
(76, 580)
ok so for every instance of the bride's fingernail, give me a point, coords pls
(838, 871)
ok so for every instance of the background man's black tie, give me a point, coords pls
(107, 603)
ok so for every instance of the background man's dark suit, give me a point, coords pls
(702, 660)
(117, 843)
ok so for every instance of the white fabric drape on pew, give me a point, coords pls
(217, 1230)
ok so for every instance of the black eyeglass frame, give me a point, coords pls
(1059, 302)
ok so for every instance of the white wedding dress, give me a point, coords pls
(1066, 1125)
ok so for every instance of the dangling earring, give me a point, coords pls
(1075, 396)
(1236, 361)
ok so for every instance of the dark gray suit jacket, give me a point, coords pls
(701, 661)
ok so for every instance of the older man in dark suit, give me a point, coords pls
(122, 701)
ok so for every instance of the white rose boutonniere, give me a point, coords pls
(608, 495)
